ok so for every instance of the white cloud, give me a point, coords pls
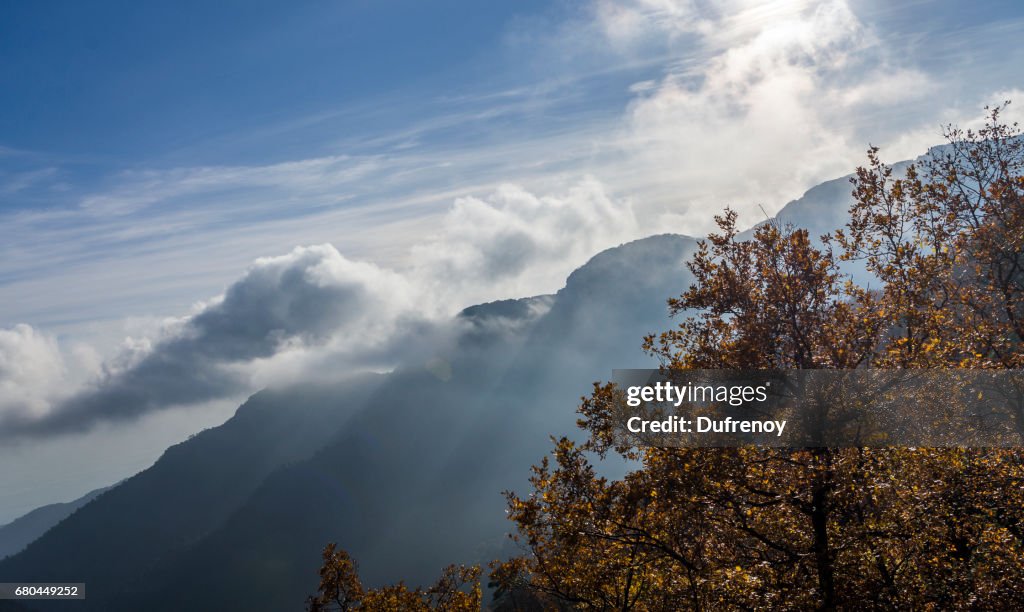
(514, 243)
(913, 142)
(626, 23)
(140, 189)
(291, 316)
(12, 184)
(306, 298)
(770, 110)
(31, 369)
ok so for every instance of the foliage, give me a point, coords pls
(457, 590)
(813, 528)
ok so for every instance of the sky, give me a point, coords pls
(201, 199)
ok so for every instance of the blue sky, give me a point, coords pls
(129, 82)
(103, 102)
(106, 86)
(153, 155)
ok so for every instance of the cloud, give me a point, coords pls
(514, 243)
(771, 108)
(624, 24)
(13, 183)
(912, 143)
(306, 296)
(302, 299)
(31, 366)
(314, 309)
(141, 189)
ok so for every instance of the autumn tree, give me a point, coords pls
(946, 241)
(819, 527)
(457, 590)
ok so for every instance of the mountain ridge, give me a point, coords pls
(22, 531)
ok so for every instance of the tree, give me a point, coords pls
(340, 588)
(457, 590)
(813, 528)
(947, 243)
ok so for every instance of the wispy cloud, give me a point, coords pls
(138, 190)
(15, 182)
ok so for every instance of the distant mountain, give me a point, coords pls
(403, 470)
(110, 543)
(20, 532)
(825, 208)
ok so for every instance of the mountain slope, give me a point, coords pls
(22, 531)
(413, 481)
(110, 543)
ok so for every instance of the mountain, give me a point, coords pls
(187, 493)
(404, 470)
(415, 481)
(20, 532)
